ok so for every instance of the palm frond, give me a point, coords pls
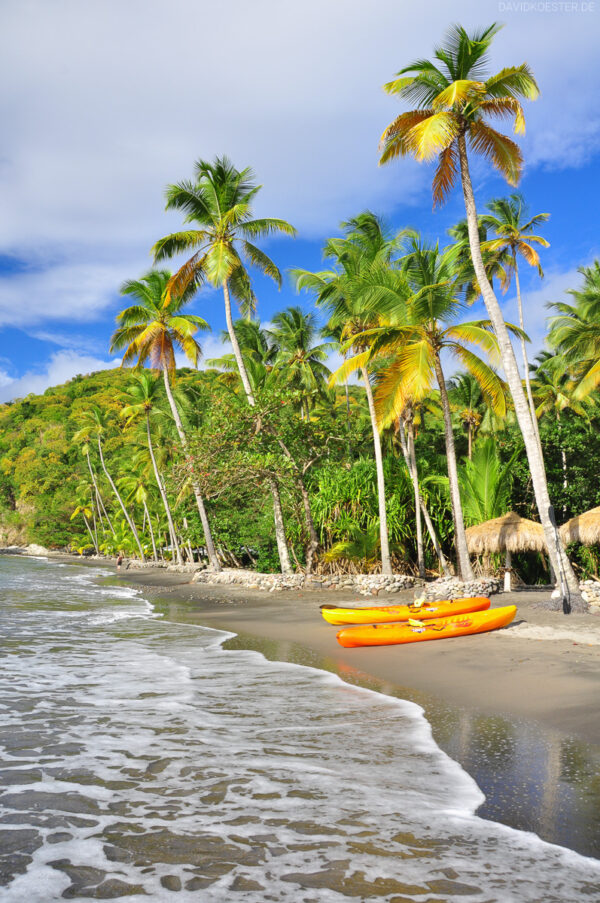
(503, 153)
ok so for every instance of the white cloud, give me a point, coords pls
(62, 366)
(105, 103)
(69, 291)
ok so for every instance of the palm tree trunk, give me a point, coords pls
(348, 417)
(470, 440)
(282, 548)
(417, 494)
(436, 545)
(563, 458)
(558, 557)
(313, 539)
(89, 529)
(147, 515)
(284, 556)
(525, 359)
(210, 546)
(128, 518)
(414, 471)
(101, 507)
(162, 491)
(386, 564)
(460, 538)
(236, 347)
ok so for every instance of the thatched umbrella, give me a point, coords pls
(584, 528)
(509, 533)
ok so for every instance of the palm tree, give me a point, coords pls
(141, 400)
(454, 101)
(514, 238)
(85, 509)
(150, 331)
(405, 426)
(83, 437)
(472, 407)
(135, 486)
(554, 392)
(94, 422)
(254, 341)
(219, 204)
(416, 305)
(366, 245)
(298, 358)
(575, 330)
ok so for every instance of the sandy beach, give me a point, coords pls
(517, 708)
(543, 667)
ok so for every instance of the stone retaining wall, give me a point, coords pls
(365, 584)
(453, 588)
(590, 590)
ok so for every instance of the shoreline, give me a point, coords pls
(517, 711)
(519, 672)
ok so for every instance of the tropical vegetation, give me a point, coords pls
(272, 458)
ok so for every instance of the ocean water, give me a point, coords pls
(138, 757)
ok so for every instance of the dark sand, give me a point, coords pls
(517, 709)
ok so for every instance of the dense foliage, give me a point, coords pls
(271, 461)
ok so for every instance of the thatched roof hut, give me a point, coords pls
(584, 528)
(509, 533)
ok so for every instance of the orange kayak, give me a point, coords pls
(416, 631)
(380, 614)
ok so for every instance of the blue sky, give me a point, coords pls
(104, 103)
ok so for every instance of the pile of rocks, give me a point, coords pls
(453, 588)
(590, 590)
(365, 584)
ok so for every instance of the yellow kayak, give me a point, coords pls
(380, 614)
(416, 631)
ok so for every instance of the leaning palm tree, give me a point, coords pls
(454, 101)
(515, 238)
(150, 331)
(218, 203)
(95, 424)
(83, 438)
(366, 244)
(140, 398)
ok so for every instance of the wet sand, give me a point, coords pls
(517, 710)
(520, 671)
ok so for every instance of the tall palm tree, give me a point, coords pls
(418, 307)
(366, 244)
(150, 331)
(218, 203)
(95, 422)
(140, 399)
(454, 101)
(515, 238)
(575, 330)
